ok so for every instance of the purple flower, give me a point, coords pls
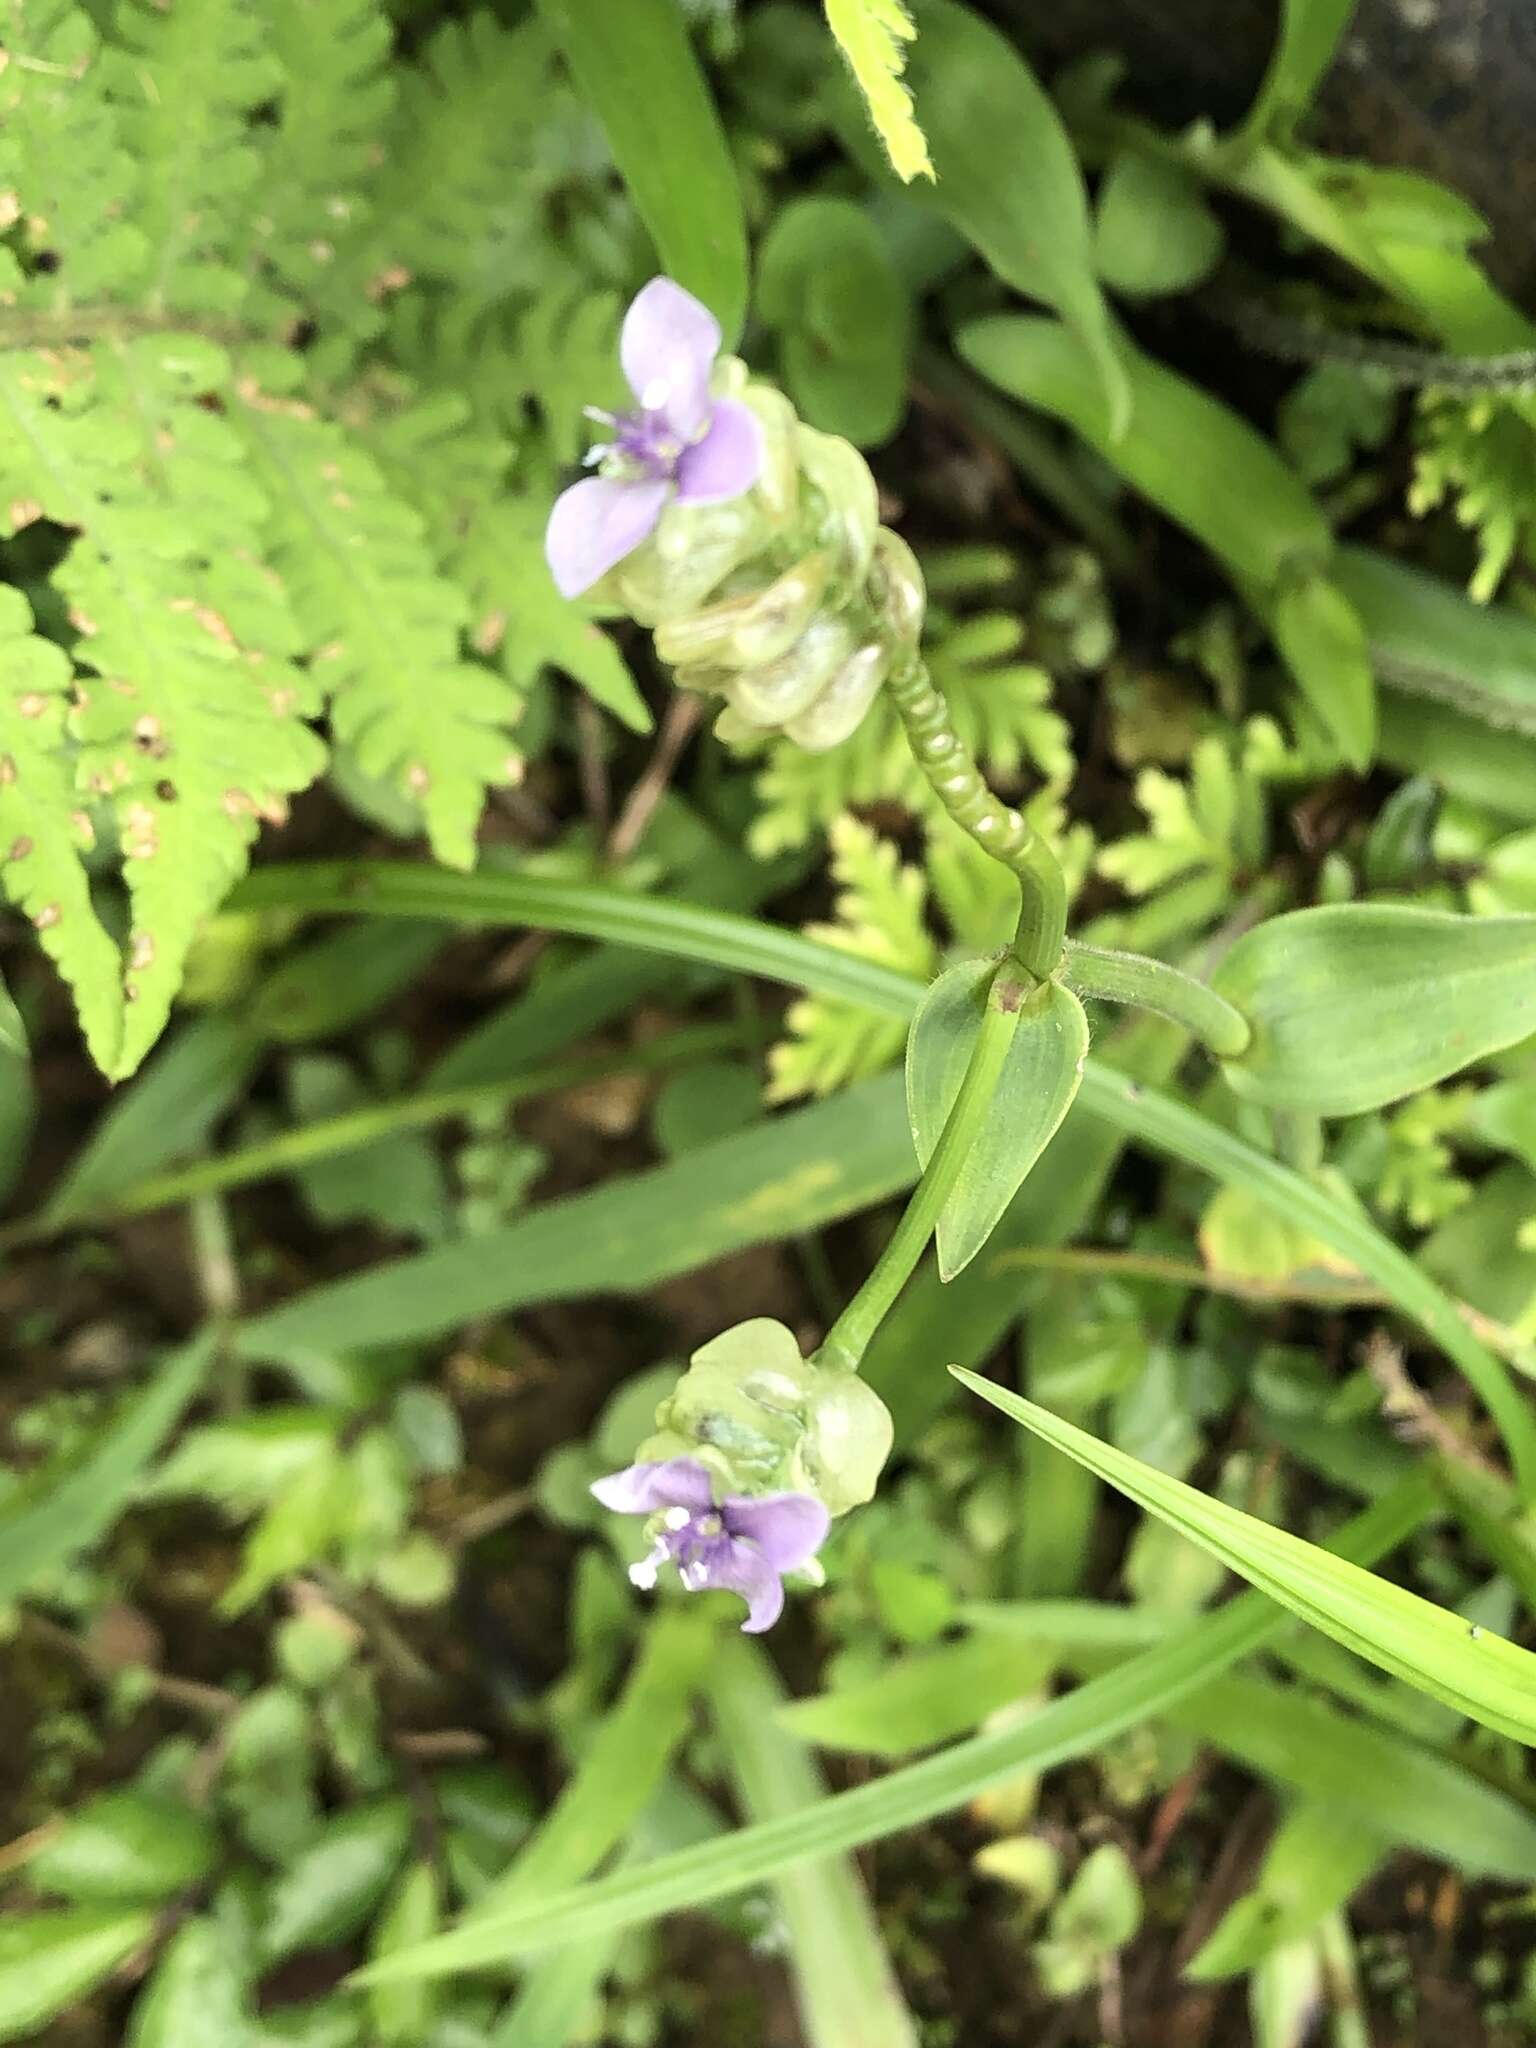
(677, 441)
(742, 1544)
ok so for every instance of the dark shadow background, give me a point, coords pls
(1447, 87)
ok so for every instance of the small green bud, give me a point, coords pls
(762, 1419)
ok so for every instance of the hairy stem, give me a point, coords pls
(996, 827)
(1153, 985)
(851, 1335)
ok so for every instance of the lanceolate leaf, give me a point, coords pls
(1354, 1005)
(66, 1506)
(982, 108)
(1310, 32)
(48, 1960)
(1477, 1672)
(635, 66)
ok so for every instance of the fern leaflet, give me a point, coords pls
(43, 831)
(385, 625)
(191, 724)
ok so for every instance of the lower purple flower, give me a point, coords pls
(743, 1544)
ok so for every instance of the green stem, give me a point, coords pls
(1153, 985)
(850, 1336)
(996, 827)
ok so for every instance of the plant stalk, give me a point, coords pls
(1116, 977)
(996, 827)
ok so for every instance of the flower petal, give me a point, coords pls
(788, 1528)
(743, 1569)
(726, 461)
(668, 349)
(597, 523)
(642, 1489)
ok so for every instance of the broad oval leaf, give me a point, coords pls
(1357, 1004)
(1478, 1673)
(1153, 231)
(48, 1960)
(827, 283)
(126, 1848)
(1041, 1074)
(636, 68)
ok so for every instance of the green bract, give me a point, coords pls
(1358, 1004)
(764, 1419)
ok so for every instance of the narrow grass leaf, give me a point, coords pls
(1069, 1727)
(62, 1509)
(1468, 1667)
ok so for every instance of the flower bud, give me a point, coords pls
(760, 1418)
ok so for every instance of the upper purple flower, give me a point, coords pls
(743, 1544)
(678, 440)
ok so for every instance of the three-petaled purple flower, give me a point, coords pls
(678, 442)
(743, 1544)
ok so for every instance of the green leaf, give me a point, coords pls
(41, 827)
(719, 938)
(775, 1178)
(61, 1510)
(126, 1848)
(196, 1997)
(195, 730)
(1240, 499)
(1153, 232)
(1478, 1673)
(983, 109)
(637, 70)
(48, 1960)
(1068, 1727)
(1429, 639)
(1319, 1855)
(1310, 33)
(1393, 1787)
(827, 283)
(846, 1987)
(625, 1762)
(870, 34)
(914, 1702)
(403, 2013)
(331, 1886)
(1358, 1004)
(1041, 1075)
(1322, 639)
(384, 626)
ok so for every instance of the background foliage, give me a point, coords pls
(549, 1033)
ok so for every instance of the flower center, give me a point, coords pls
(645, 447)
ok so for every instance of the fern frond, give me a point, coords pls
(310, 232)
(879, 916)
(385, 625)
(184, 79)
(870, 34)
(43, 830)
(64, 172)
(191, 722)
(462, 186)
(1480, 454)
